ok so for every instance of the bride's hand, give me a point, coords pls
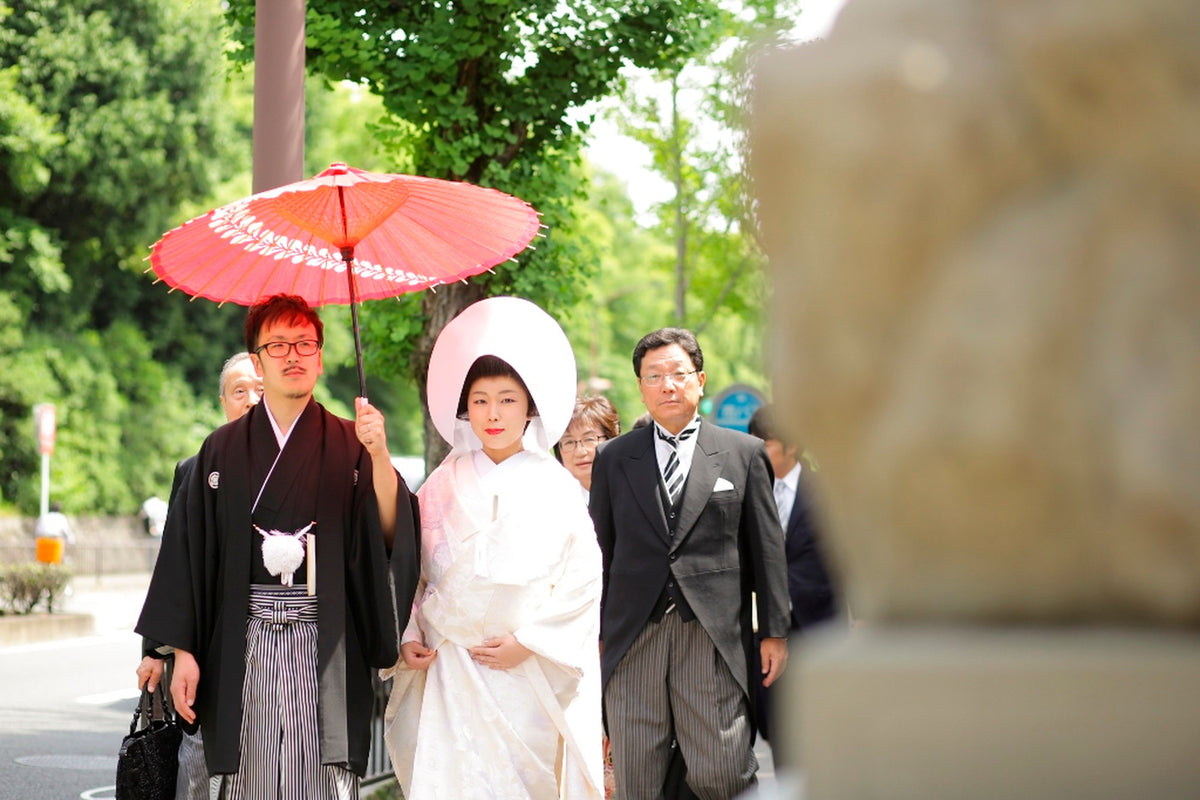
(417, 655)
(500, 652)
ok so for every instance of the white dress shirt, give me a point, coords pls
(684, 450)
(785, 493)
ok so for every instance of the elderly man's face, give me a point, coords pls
(671, 386)
(243, 389)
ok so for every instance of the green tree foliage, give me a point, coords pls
(134, 96)
(632, 294)
(486, 91)
(123, 419)
(131, 367)
(336, 114)
(628, 296)
(110, 119)
(693, 123)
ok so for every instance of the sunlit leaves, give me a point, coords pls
(482, 90)
(110, 119)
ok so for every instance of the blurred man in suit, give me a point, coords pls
(813, 598)
(239, 388)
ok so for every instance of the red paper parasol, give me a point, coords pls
(398, 233)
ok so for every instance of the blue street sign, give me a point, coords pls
(733, 406)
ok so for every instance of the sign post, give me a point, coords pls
(44, 425)
(734, 405)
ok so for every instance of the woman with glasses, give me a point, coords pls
(497, 691)
(593, 421)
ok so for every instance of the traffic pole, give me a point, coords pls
(45, 427)
(44, 508)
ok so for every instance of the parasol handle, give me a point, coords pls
(348, 257)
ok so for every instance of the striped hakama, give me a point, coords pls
(280, 738)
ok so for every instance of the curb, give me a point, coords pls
(43, 627)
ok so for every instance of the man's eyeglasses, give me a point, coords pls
(654, 378)
(590, 442)
(304, 347)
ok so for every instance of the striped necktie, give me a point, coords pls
(673, 473)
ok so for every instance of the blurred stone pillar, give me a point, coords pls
(278, 93)
(983, 220)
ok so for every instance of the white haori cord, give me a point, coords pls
(283, 551)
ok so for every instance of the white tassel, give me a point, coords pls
(283, 552)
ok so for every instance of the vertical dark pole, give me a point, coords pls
(278, 93)
(348, 257)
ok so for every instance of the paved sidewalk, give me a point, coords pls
(89, 606)
(114, 601)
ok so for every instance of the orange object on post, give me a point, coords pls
(50, 550)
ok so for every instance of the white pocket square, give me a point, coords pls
(722, 485)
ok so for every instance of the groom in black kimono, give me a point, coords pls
(280, 560)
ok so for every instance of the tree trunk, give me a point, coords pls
(681, 221)
(439, 307)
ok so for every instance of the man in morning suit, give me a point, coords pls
(688, 529)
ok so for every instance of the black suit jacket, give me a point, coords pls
(183, 473)
(813, 597)
(728, 543)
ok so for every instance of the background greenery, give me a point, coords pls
(117, 125)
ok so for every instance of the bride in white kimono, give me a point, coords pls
(497, 692)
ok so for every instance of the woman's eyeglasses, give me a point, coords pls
(590, 442)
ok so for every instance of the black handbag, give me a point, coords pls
(148, 760)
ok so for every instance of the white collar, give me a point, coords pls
(792, 479)
(484, 465)
(280, 437)
(695, 422)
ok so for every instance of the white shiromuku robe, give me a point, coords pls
(505, 548)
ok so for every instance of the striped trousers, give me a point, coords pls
(673, 682)
(280, 739)
(192, 782)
